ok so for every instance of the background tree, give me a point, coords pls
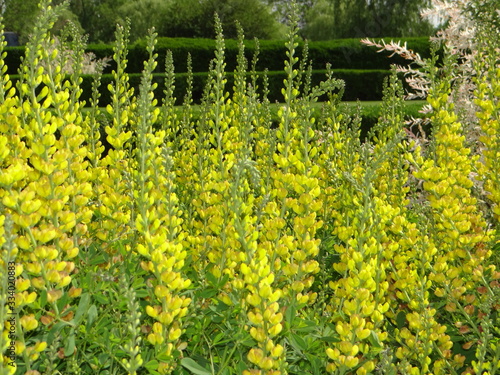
(264, 19)
(256, 18)
(99, 17)
(19, 17)
(330, 19)
(176, 18)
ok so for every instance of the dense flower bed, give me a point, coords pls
(229, 246)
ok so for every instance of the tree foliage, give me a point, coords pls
(264, 19)
(330, 19)
(19, 16)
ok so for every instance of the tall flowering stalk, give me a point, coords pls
(45, 190)
(113, 206)
(459, 233)
(157, 222)
(487, 99)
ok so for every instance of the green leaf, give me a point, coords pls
(194, 367)
(69, 348)
(43, 298)
(374, 340)
(152, 365)
(211, 279)
(240, 367)
(91, 316)
(83, 308)
(55, 331)
(290, 314)
(401, 319)
(220, 339)
(98, 259)
(298, 342)
(101, 299)
(207, 293)
(305, 326)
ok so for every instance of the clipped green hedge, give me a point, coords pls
(342, 54)
(362, 85)
(13, 59)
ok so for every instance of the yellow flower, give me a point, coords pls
(29, 322)
(174, 334)
(255, 355)
(40, 346)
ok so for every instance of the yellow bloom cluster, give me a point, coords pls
(44, 183)
(459, 234)
(489, 120)
(113, 172)
(460, 230)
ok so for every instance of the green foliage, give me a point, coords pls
(19, 16)
(330, 19)
(191, 18)
(320, 20)
(357, 81)
(98, 18)
(341, 54)
(175, 18)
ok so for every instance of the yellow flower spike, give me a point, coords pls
(302, 299)
(265, 291)
(40, 346)
(66, 280)
(174, 334)
(182, 312)
(331, 367)
(245, 270)
(165, 318)
(363, 334)
(155, 339)
(53, 276)
(51, 253)
(266, 363)
(226, 299)
(161, 291)
(38, 282)
(345, 347)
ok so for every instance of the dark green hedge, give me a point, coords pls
(342, 54)
(362, 85)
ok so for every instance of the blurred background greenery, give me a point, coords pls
(264, 19)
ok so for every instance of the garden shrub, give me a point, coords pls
(230, 245)
(341, 54)
(358, 81)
